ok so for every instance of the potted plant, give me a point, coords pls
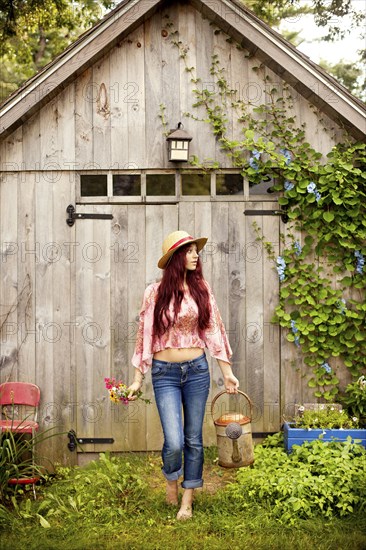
(326, 422)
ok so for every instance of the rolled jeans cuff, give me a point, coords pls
(174, 475)
(192, 483)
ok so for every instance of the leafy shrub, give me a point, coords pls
(317, 478)
(274, 440)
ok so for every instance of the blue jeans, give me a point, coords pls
(177, 384)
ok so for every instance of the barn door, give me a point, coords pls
(116, 259)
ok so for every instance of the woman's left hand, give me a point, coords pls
(231, 383)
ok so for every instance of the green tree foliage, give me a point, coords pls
(273, 12)
(327, 13)
(347, 73)
(33, 33)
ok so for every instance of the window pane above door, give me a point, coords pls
(160, 184)
(93, 185)
(229, 184)
(196, 184)
(126, 185)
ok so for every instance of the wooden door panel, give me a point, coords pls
(117, 259)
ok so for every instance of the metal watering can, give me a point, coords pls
(234, 436)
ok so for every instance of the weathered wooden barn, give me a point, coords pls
(88, 131)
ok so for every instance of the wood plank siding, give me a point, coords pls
(70, 296)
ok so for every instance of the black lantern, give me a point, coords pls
(178, 144)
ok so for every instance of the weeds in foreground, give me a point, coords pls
(118, 502)
(16, 459)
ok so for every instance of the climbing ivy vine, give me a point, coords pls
(321, 268)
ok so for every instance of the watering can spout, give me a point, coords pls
(236, 456)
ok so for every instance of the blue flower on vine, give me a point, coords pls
(295, 331)
(327, 367)
(253, 159)
(360, 262)
(297, 247)
(286, 153)
(281, 266)
(311, 188)
(288, 185)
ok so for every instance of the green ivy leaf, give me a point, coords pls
(328, 216)
(337, 200)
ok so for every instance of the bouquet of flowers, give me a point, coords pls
(118, 391)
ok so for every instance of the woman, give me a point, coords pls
(178, 319)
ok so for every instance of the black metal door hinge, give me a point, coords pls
(282, 213)
(81, 216)
(74, 440)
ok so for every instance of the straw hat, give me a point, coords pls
(174, 241)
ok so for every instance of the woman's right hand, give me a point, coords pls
(133, 390)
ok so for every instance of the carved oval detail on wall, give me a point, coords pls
(102, 101)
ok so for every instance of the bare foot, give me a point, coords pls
(186, 507)
(172, 492)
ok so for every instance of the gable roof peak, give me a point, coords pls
(232, 17)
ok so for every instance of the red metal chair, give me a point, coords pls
(14, 395)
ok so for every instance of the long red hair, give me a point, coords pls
(172, 288)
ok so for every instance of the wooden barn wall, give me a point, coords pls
(108, 119)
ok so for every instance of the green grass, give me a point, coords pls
(119, 503)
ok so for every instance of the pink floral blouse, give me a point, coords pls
(183, 334)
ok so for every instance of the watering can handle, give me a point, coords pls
(241, 393)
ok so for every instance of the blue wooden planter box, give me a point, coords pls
(297, 436)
